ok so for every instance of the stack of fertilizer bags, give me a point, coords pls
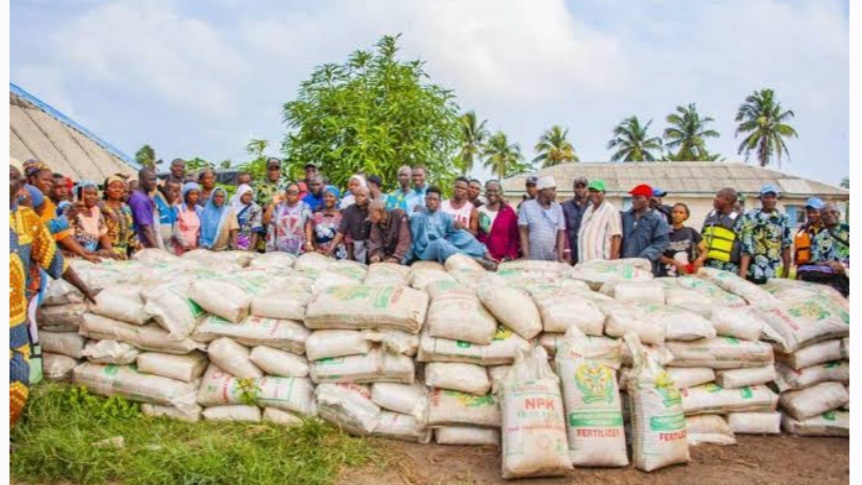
(474, 328)
(811, 338)
(364, 336)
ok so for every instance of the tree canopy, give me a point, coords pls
(632, 142)
(554, 148)
(373, 113)
(687, 134)
(762, 122)
(504, 159)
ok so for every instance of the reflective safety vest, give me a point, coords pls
(802, 244)
(722, 243)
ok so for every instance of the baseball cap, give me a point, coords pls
(814, 203)
(375, 180)
(532, 180)
(597, 185)
(580, 181)
(769, 188)
(657, 192)
(310, 164)
(642, 190)
(546, 183)
(273, 162)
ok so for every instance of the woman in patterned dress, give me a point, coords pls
(30, 246)
(322, 227)
(285, 220)
(91, 232)
(118, 217)
(249, 216)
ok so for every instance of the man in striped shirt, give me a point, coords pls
(601, 230)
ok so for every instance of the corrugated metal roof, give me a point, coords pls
(697, 179)
(36, 130)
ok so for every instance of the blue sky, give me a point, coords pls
(202, 78)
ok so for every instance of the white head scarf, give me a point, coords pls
(349, 199)
(235, 201)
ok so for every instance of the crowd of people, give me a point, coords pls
(53, 219)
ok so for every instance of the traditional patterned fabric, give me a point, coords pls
(118, 221)
(832, 245)
(324, 227)
(89, 228)
(249, 219)
(30, 246)
(764, 236)
(265, 190)
(286, 232)
(397, 199)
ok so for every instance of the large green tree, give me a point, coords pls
(373, 113)
(763, 123)
(473, 137)
(687, 134)
(504, 159)
(554, 148)
(632, 142)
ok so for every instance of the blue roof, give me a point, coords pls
(20, 92)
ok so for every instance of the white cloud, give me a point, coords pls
(523, 65)
(146, 45)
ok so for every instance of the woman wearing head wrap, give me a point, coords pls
(322, 226)
(219, 226)
(249, 216)
(189, 218)
(354, 183)
(118, 217)
(42, 180)
(89, 225)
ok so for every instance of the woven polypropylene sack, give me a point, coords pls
(184, 368)
(657, 420)
(110, 352)
(375, 307)
(233, 358)
(721, 353)
(817, 399)
(594, 420)
(830, 423)
(800, 323)
(456, 313)
(514, 308)
(349, 406)
(235, 413)
(469, 378)
(813, 354)
(126, 381)
(401, 427)
(709, 428)
(714, 399)
(253, 331)
(295, 394)
(736, 378)
(69, 343)
(534, 429)
(755, 423)
(278, 362)
(147, 337)
(467, 436)
(57, 367)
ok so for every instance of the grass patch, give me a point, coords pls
(54, 443)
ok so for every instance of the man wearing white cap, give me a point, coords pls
(542, 224)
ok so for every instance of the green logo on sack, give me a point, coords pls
(595, 420)
(595, 381)
(829, 415)
(833, 364)
(463, 345)
(675, 422)
(746, 392)
(810, 310)
(195, 308)
(664, 386)
(712, 387)
(470, 400)
(732, 340)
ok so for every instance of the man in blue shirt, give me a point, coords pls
(646, 233)
(314, 198)
(415, 201)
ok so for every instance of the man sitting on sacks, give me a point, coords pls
(437, 235)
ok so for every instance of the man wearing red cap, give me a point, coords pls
(646, 233)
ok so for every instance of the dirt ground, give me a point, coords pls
(754, 460)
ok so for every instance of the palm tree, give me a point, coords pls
(632, 143)
(553, 148)
(763, 122)
(473, 137)
(146, 156)
(501, 157)
(688, 134)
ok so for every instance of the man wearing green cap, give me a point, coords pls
(601, 230)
